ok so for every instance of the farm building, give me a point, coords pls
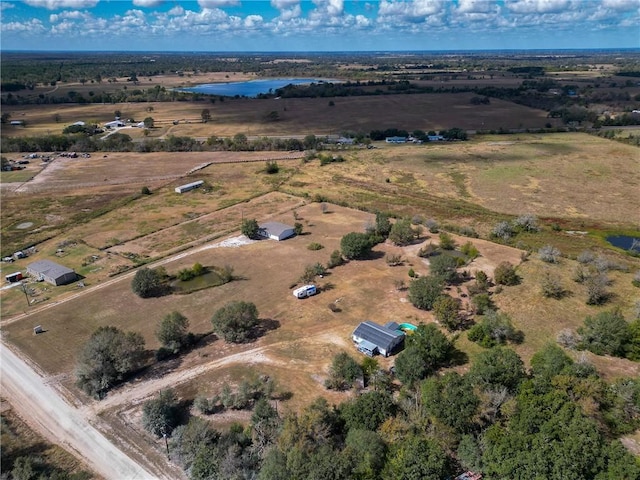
(51, 272)
(396, 139)
(189, 186)
(115, 123)
(371, 338)
(275, 230)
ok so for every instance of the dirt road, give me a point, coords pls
(61, 423)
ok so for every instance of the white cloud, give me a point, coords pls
(58, 4)
(147, 3)
(218, 3)
(476, 6)
(622, 5)
(537, 6)
(415, 11)
(253, 21)
(284, 4)
(33, 26)
(177, 10)
(6, 5)
(69, 15)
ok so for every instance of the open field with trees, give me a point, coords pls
(494, 248)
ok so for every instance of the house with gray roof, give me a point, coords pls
(51, 272)
(371, 338)
(275, 230)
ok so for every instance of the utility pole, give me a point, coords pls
(26, 295)
(166, 443)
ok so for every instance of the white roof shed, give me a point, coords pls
(276, 230)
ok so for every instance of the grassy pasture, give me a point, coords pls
(296, 116)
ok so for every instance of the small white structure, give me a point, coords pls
(305, 291)
(189, 186)
(275, 230)
(115, 123)
(16, 123)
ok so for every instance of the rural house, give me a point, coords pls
(275, 230)
(51, 272)
(371, 338)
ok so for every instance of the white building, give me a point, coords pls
(275, 230)
(189, 186)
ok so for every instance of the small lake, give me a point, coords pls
(250, 88)
(625, 242)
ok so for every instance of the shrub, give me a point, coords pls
(424, 291)
(431, 225)
(250, 228)
(173, 332)
(272, 167)
(505, 274)
(568, 339)
(586, 257)
(312, 271)
(335, 260)
(467, 231)
(393, 259)
(549, 254)
(482, 280)
(597, 293)
(427, 250)
(503, 231)
(551, 285)
(401, 232)
(494, 329)
(315, 246)
(382, 225)
(161, 414)
(470, 250)
(145, 191)
(446, 241)
(297, 228)
(636, 279)
(526, 223)
(412, 273)
(482, 303)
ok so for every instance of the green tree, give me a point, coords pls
(424, 291)
(343, 373)
(550, 361)
(495, 328)
(272, 167)
(366, 452)
(148, 122)
(496, 368)
(236, 321)
(444, 267)
(426, 350)
(107, 358)
(417, 457)
(335, 260)
(160, 415)
(383, 225)
(250, 228)
(401, 232)
(368, 411)
(148, 283)
(356, 245)
(205, 115)
(451, 400)
(607, 333)
(446, 309)
(187, 440)
(173, 332)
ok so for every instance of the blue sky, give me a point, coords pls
(318, 25)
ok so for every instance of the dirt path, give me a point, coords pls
(42, 408)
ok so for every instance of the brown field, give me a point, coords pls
(297, 117)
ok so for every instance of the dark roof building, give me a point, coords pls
(372, 338)
(51, 272)
(275, 230)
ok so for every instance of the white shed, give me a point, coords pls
(275, 230)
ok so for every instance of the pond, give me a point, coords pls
(251, 88)
(626, 242)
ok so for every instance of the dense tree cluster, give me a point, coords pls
(107, 358)
(236, 321)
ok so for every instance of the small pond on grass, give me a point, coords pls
(626, 242)
(209, 279)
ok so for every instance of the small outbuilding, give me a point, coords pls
(51, 272)
(189, 186)
(371, 338)
(275, 230)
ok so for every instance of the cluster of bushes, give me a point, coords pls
(245, 396)
(505, 231)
